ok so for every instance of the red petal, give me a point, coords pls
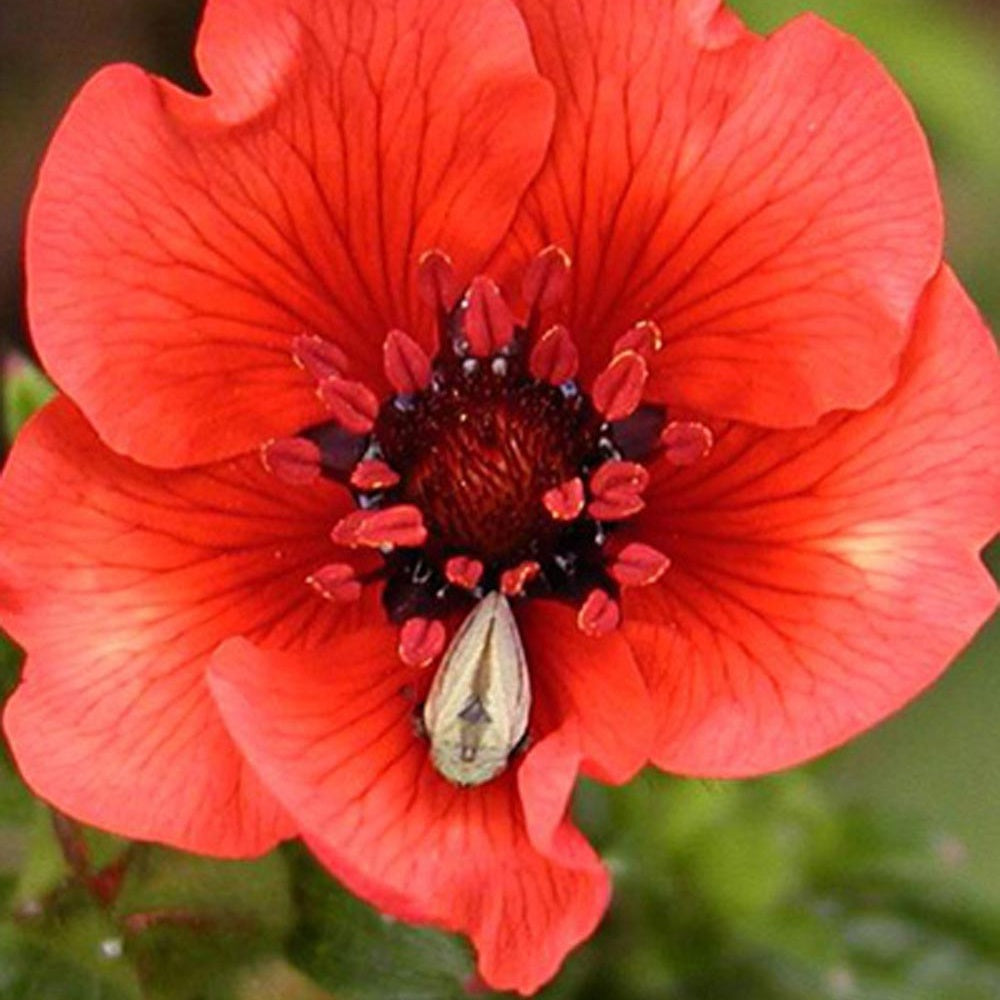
(822, 578)
(339, 750)
(554, 358)
(407, 366)
(618, 389)
(353, 405)
(593, 683)
(771, 204)
(178, 245)
(120, 581)
(489, 323)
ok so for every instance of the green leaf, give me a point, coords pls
(354, 952)
(24, 390)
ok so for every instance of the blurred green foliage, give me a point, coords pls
(872, 876)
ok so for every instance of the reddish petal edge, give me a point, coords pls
(119, 581)
(178, 245)
(823, 578)
(331, 734)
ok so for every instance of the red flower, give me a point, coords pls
(619, 311)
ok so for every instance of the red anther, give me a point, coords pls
(565, 502)
(336, 582)
(351, 404)
(402, 525)
(645, 338)
(546, 280)
(639, 565)
(292, 460)
(318, 356)
(617, 490)
(554, 358)
(598, 615)
(463, 571)
(372, 474)
(618, 389)
(489, 323)
(421, 641)
(437, 281)
(406, 364)
(686, 442)
(513, 581)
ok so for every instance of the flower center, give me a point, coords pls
(489, 468)
(479, 449)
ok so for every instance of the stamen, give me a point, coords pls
(353, 405)
(554, 358)
(318, 357)
(686, 442)
(645, 338)
(421, 641)
(373, 474)
(565, 502)
(617, 489)
(618, 389)
(388, 528)
(436, 281)
(463, 572)
(639, 565)
(406, 364)
(546, 280)
(292, 460)
(336, 582)
(598, 615)
(513, 581)
(489, 323)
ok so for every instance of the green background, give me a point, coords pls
(872, 874)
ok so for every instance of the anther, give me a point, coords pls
(462, 571)
(685, 442)
(554, 358)
(489, 323)
(406, 364)
(639, 565)
(565, 502)
(351, 404)
(336, 582)
(373, 474)
(388, 528)
(513, 581)
(292, 460)
(645, 338)
(618, 389)
(546, 280)
(421, 641)
(436, 281)
(318, 357)
(617, 489)
(598, 615)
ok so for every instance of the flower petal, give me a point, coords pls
(178, 245)
(822, 578)
(593, 682)
(332, 735)
(119, 581)
(771, 205)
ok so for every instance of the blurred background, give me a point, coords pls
(872, 874)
